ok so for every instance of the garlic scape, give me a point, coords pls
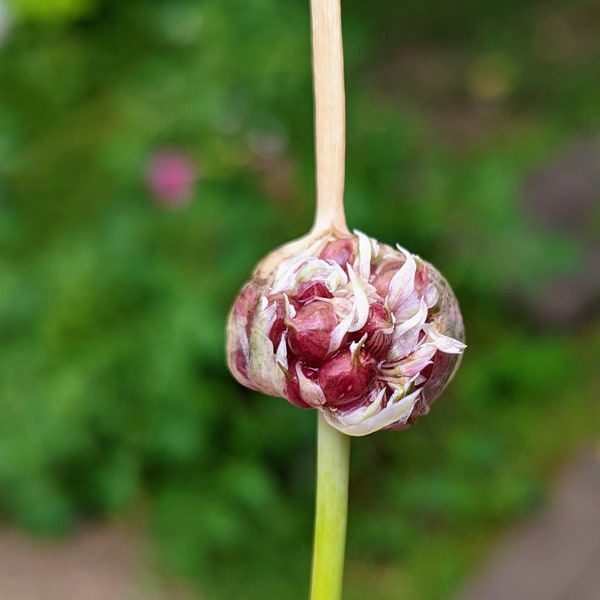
(368, 334)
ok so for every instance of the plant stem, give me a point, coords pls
(333, 454)
(333, 462)
(330, 114)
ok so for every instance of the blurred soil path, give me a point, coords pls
(103, 562)
(555, 554)
(552, 555)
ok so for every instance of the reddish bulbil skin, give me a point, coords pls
(318, 344)
(379, 328)
(279, 326)
(340, 251)
(309, 291)
(381, 278)
(346, 379)
(292, 387)
(309, 332)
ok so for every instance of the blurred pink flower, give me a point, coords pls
(171, 177)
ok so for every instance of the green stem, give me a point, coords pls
(333, 462)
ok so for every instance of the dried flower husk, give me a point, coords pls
(366, 333)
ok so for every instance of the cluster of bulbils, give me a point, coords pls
(366, 333)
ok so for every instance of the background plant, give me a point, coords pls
(114, 396)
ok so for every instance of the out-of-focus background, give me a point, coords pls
(151, 152)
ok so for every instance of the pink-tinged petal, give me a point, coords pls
(239, 324)
(418, 360)
(246, 301)
(406, 334)
(405, 370)
(411, 365)
(237, 327)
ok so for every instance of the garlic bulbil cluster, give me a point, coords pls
(366, 333)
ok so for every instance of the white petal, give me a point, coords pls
(431, 295)
(363, 421)
(343, 309)
(360, 414)
(402, 283)
(290, 311)
(356, 346)
(443, 342)
(364, 255)
(285, 274)
(406, 334)
(374, 248)
(310, 270)
(336, 278)
(361, 302)
(281, 354)
(417, 320)
(310, 391)
(337, 336)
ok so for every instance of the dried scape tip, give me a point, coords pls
(368, 334)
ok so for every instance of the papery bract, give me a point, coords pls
(366, 333)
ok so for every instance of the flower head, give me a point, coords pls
(366, 333)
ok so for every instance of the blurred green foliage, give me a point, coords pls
(114, 395)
